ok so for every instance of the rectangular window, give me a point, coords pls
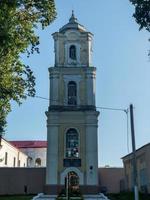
(14, 162)
(143, 177)
(6, 158)
(18, 163)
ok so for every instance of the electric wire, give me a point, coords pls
(113, 109)
(126, 111)
(100, 107)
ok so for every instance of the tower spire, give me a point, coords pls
(72, 12)
(72, 19)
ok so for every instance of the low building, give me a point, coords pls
(10, 156)
(143, 166)
(111, 179)
(36, 151)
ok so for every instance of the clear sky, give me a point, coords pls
(123, 76)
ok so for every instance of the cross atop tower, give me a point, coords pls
(73, 19)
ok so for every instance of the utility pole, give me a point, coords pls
(136, 195)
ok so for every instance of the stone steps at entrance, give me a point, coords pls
(41, 196)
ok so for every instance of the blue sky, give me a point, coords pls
(120, 53)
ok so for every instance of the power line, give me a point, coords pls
(113, 109)
(126, 111)
(41, 97)
(103, 108)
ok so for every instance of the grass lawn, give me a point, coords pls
(16, 197)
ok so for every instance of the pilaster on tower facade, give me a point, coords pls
(72, 119)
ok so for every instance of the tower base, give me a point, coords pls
(42, 196)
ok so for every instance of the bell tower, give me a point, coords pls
(72, 118)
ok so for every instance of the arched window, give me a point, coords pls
(6, 158)
(72, 143)
(38, 162)
(72, 52)
(72, 93)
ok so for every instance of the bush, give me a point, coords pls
(128, 196)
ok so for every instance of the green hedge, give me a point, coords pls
(127, 196)
(16, 197)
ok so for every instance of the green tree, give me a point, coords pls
(142, 14)
(18, 22)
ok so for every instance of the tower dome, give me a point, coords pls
(72, 24)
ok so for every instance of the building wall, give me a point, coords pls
(17, 180)
(11, 156)
(110, 179)
(82, 41)
(85, 79)
(35, 154)
(148, 167)
(22, 180)
(143, 166)
(85, 123)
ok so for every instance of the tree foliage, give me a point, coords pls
(18, 21)
(142, 13)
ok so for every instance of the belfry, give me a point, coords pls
(72, 118)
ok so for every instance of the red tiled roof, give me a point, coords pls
(29, 144)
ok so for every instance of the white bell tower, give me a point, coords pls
(72, 118)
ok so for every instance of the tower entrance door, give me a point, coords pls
(72, 181)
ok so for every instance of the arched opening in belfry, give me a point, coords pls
(72, 52)
(72, 143)
(72, 93)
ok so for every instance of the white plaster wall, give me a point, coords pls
(91, 149)
(90, 87)
(52, 154)
(83, 43)
(90, 50)
(91, 155)
(54, 87)
(23, 159)
(12, 153)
